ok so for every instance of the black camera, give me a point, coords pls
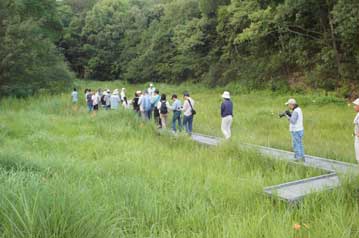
(284, 114)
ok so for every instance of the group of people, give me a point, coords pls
(150, 104)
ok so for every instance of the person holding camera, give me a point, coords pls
(296, 128)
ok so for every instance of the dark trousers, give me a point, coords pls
(188, 123)
(176, 117)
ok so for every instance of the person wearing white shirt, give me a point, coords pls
(188, 113)
(163, 107)
(115, 100)
(75, 96)
(151, 90)
(356, 129)
(296, 128)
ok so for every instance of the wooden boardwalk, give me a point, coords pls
(296, 190)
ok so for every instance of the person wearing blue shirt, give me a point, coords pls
(227, 115)
(177, 109)
(145, 104)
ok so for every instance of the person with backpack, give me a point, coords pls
(89, 101)
(145, 106)
(163, 106)
(115, 100)
(177, 111)
(188, 112)
(296, 128)
(227, 115)
(156, 113)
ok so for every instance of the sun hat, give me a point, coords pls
(226, 95)
(356, 102)
(115, 91)
(291, 101)
(151, 84)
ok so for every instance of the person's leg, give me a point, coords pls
(179, 121)
(356, 147)
(296, 146)
(229, 125)
(223, 127)
(174, 119)
(185, 123)
(164, 120)
(190, 124)
(301, 146)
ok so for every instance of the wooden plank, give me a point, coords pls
(295, 191)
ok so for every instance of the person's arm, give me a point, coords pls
(169, 106)
(294, 118)
(222, 109)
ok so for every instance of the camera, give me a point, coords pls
(284, 114)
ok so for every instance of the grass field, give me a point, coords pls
(65, 173)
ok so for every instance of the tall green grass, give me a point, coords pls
(65, 173)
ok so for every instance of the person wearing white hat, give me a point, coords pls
(296, 128)
(356, 129)
(115, 100)
(227, 115)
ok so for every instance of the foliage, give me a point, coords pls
(29, 60)
(259, 44)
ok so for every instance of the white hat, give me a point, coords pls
(226, 95)
(356, 102)
(291, 101)
(115, 91)
(151, 84)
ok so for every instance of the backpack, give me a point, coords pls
(163, 109)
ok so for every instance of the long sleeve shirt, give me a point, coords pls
(227, 108)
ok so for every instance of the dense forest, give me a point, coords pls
(276, 44)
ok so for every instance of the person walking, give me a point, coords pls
(115, 100)
(156, 113)
(227, 115)
(108, 99)
(151, 90)
(163, 107)
(296, 128)
(145, 106)
(356, 129)
(96, 100)
(75, 96)
(188, 112)
(89, 101)
(176, 108)
(135, 103)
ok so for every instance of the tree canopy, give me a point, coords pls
(255, 43)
